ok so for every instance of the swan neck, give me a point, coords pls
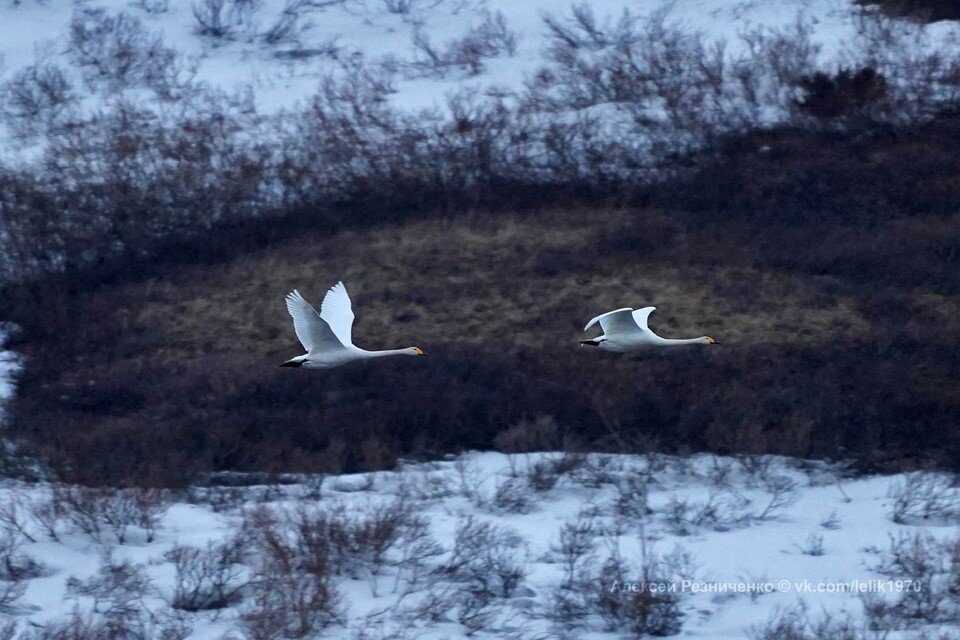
(386, 353)
(673, 341)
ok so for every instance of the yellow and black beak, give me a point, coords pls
(711, 340)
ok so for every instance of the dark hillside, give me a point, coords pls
(826, 265)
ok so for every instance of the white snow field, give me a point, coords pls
(731, 542)
(276, 51)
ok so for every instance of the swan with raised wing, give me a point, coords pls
(327, 335)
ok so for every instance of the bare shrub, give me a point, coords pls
(206, 578)
(117, 590)
(15, 568)
(831, 522)
(287, 25)
(490, 39)
(541, 434)
(796, 624)
(211, 19)
(632, 494)
(781, 492)
(292, 590)
(155, 7)
(646, 612)
(575, 549)
(929, 571)
(847, 94)
(924, 497)
(812, 546)
(14, 517)
(35, 97)
(138, 625)
(97, 512)
(408, 7)
(485, 566)
(115, 50)
(512, 495)
(612, 592)
(721, 511)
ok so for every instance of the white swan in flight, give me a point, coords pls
(326, 335)
(626, 330)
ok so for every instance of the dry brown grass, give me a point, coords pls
(502, 282)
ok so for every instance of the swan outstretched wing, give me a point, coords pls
(338, 312)
(619, 321)
(641, 316)
(313, 331)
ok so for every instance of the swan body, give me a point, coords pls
(327, 335)
(626, 330)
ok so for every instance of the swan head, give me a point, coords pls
(709, 340)
(416, 351)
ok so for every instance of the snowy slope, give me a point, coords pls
(336, 32)
(737, 545)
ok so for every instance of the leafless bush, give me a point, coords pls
(651, 611)
(721, 511)
(813, 546)
(596, 471)
(14, 518)
(575, 549)
(831, 522)
(929, 572)
(140, 624)
(117, 590)
(36, 96)
(292, 592)
(541, 434)
(96, 512)
(631, 500)
(407, 7)
(487, 558)
(116, 50)
(361, 543)
(490, 39)
(796, 624)
(512, 495)
(924, 497)
(207, 578)
(485, 565)
(287, 24)
(542, 474)
(154, 6)
(211, 20)
(15, 568)
(613, 593)
(781, 492)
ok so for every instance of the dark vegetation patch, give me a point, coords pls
(924, 10)
(825, 263)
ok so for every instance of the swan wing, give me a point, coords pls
(337, 310)
(313, 331)
(641, 316)
(613, 322)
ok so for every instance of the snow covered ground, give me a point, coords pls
(732, 541)
(282, 67)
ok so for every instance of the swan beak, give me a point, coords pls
(589, 343)
(711, 340)
(292, 363)
(418, 351)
